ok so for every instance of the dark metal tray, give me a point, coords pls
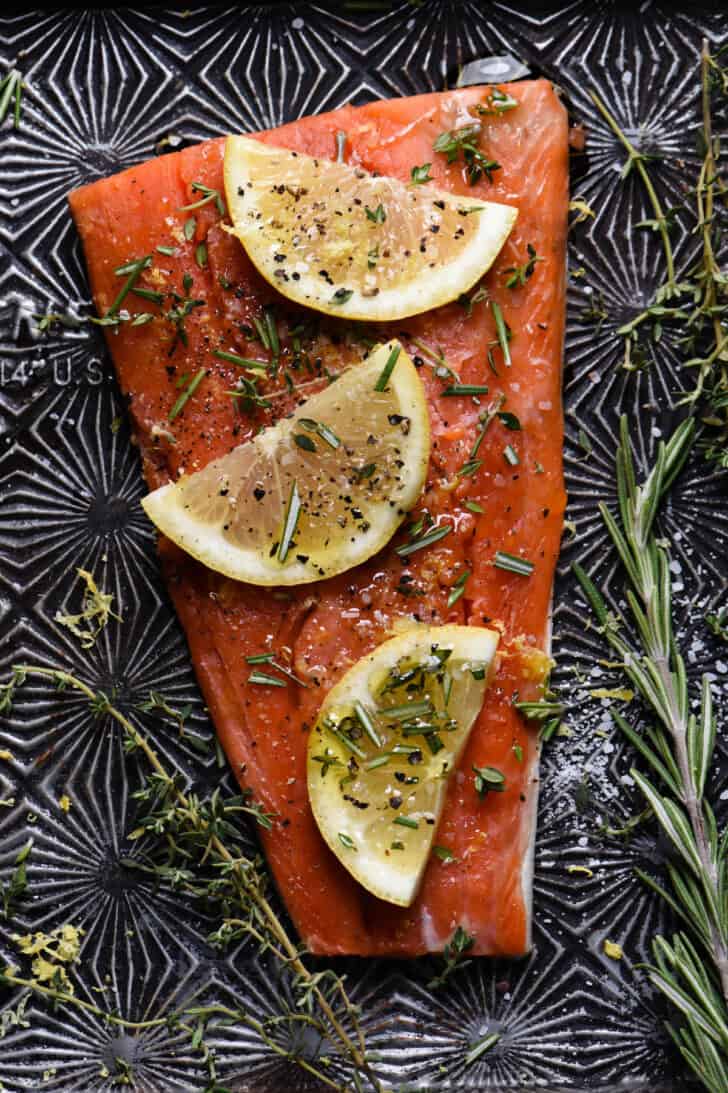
(103, 89)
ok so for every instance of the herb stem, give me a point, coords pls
(637, 160)
(356, 1051)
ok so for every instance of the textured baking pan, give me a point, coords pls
(105, 90)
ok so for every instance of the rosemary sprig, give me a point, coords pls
(11, 89)
(196, 834)
(691, 970)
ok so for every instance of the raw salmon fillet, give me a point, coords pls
(321, 629)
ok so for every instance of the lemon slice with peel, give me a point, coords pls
(385, 743)
(337, 239)
(315, 494)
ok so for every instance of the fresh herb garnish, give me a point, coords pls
(201, 255)
(208, 195)
(377, 216)
(324, 431)
(264, 679)
(460, 943)
(454, 143)
(12, 893)
(443, 853)
(189, 229)
(423, 541)
(304, 442)
(420, 175)
(187, 394)
(519, 275)
(290, 522)
(503, 331)
(406, 821)
(342, 295)
(512, 563)
(465, 389)
(347, 841)
(385, 374)
(677, 743)
(199, 850)
(132, 271)
(458, 588)
(485, 420)
(487, 780)
(480, 1047)
(11, 88)
(242, 362)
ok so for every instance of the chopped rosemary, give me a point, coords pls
(347, 841)
(470, 468)
(465, 389)
(242, 362)
(480, 1047)
(264, 679)
(189, 229)
(443, 853)
(431, 537)
(208, 195)
(169, 252)
(290, 522)
(304, 442)
(342, 295)
(406, 821)
(346, 741)
(11, 88)
(187, 394)
(512, 563)
(365, 720)
(473, 506)
(132, 271)
(458, 588)
(511, 455)
(201, 255)
(419, 175)
(502, 330)
(385, 374)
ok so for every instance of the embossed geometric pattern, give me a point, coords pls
(106, 89)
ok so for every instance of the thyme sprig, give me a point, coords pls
(691, 969)
(699, 300)
(200, 836)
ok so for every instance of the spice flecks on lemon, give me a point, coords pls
(316, 494)
(387, 738)
(339, 240)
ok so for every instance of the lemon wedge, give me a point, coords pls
(337, 239)
(315, 494)
(385, 743)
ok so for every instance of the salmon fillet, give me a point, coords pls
(321, 629)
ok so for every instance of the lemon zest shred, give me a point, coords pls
(94, 614)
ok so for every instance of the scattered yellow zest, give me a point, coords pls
(612, 950)
(51, 952)
(578, 205)
(94, 615)
(580, 869)
(64, 802)
(622, 694)
(6, 755)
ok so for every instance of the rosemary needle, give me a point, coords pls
(290, 522)
(187, 394)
